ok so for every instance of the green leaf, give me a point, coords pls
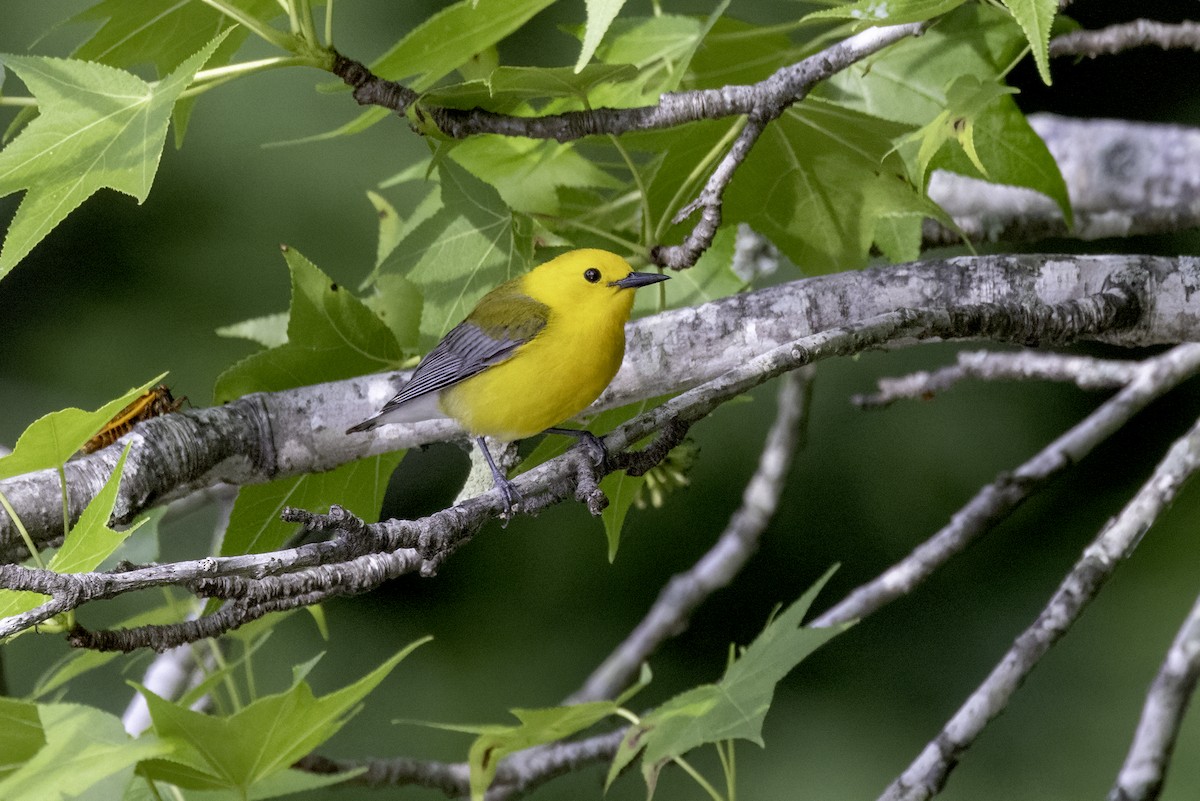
(164, 33)
(622, 490)
(807, 182)
(734, 707)
(98, 127)
(86, 750)
(397, 301)
(90, 540)
(159, 32)
(51, 440)
(255, 527)
(528, 173)
(87, 544)
(270, 330)
(1012, 153)
(21, 734)
(661, 48)
(1036, 17)
(390, 226)
(966, 100)
(331, 335)
(437, 46)
(737, 52)
(470, 245)
(285, 783)
(600, 15)
(892, 12)
(262, 739)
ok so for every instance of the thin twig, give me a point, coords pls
(1000, 498)
(1126, 36)
(927, 774)
(516, 774)
(1141, 777)
(1085, 372)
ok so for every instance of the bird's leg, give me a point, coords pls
(512, 498)
(593, 445)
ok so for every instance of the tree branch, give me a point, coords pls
(1123, 178)
(1126, 36)
(1084, 371)
(761, 103)
(928, 773)
(266, 436)
(684, 593)
(768, 97)
(994, 502)
(1141, 777)
(257, 585)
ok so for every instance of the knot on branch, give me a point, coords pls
(370, 89)
(636, 463)
(1039, 325)
(353, 534)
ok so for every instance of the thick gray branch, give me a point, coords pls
(266, 436)
(1123, 178)
(256, 585)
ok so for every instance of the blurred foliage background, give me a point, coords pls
(119, 293)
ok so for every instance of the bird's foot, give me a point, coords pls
(593, 447)
(589, 443)
(512, 499)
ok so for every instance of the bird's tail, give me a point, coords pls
(365, 425)
(422, 407)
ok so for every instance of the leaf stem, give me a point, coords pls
(265, 32)
(329, 24)
(234, 70)
(18, 101)
(308, 26)
(637, 179)
(12, 513)
(700, 780)
(66, 508)
(630, 244)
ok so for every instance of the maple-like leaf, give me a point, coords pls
(99, 127)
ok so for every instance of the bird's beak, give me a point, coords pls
(634, 280)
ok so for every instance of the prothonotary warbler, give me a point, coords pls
(534, 352)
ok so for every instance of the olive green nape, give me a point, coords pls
(508, 313)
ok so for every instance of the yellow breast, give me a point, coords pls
(552, 378)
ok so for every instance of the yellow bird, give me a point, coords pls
(535, 351)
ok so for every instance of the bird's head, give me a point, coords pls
(588, 281)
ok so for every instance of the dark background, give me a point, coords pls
(119, 293)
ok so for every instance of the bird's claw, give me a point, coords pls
(512, 499)
(593, 447)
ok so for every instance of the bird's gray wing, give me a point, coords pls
(469, 349)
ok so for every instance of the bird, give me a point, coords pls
(534, 352)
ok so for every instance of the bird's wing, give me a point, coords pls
(476, 344)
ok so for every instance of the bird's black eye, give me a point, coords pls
(591, 275)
